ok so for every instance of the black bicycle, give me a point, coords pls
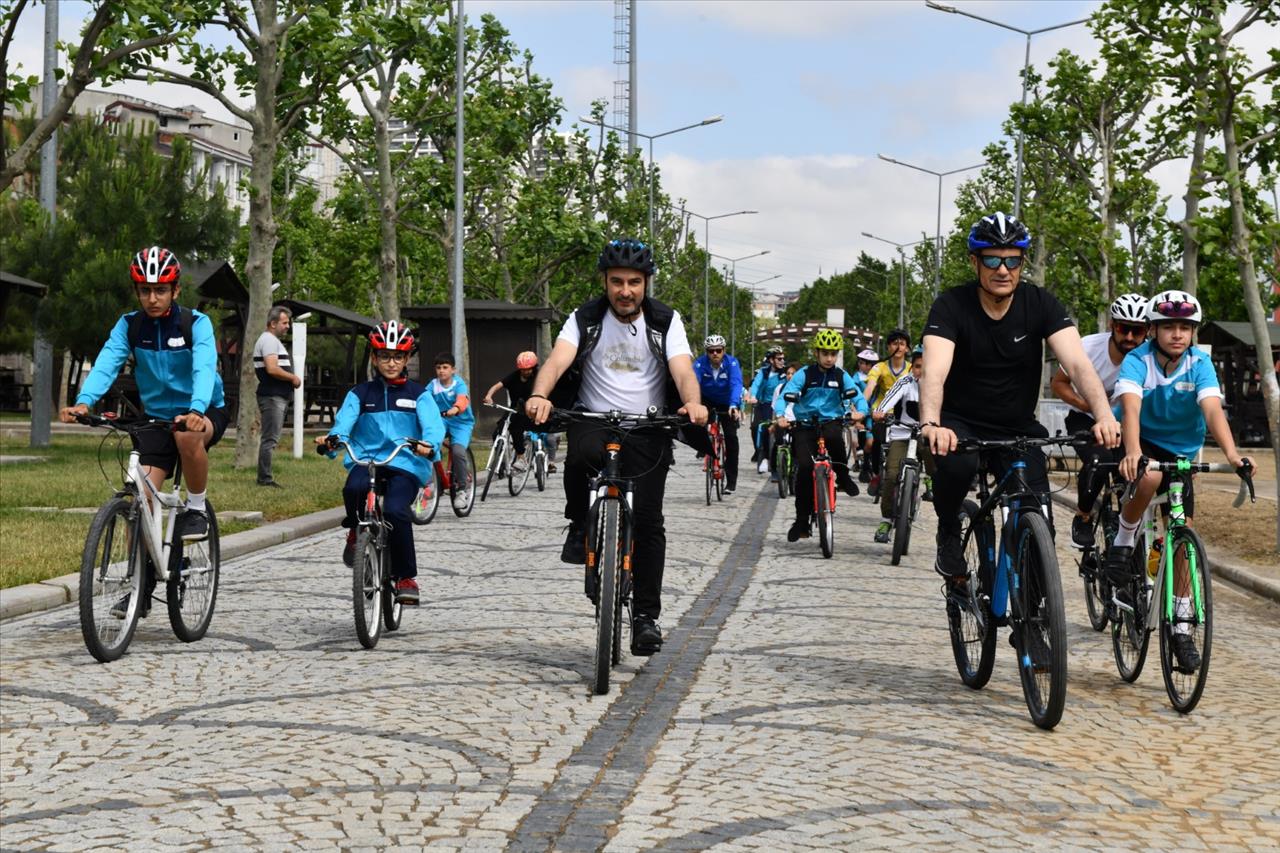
(906, 498)
(1012, 582)
(610, 528)
(1104, 521)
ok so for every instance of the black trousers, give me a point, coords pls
(761, 414)
(1090, 480)
(646, 455)
(956, 471)
(804, 446)
(700, 440)
(399, 488)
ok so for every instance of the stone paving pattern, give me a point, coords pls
(799, 703)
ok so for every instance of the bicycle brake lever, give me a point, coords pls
(1245, 473)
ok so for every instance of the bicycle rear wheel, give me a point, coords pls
(366, 589)
(607, 545)
(193, 582)
(709, 474)
(518, 470)
(462, 495)
(1096, 592)
(720, 471)
(1185, 687)
(497, 455)
(902, 513)
(973, 635)
(1040, 622)
(427, 501)
(111, 579)
(826, 513)
(782, 469)
(1129, 635)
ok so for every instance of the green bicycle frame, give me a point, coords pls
(1178, 518)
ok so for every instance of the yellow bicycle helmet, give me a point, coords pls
(828, 339)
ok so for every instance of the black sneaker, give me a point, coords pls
(1117, 568)
(349, 549)
(193, 524)
(1081, 533)
(874, 488)
(1184, 650)
(574, 551)
(863, 476)
(950, 561)
(646, 636)
(847, 485)
(799, 530)
(121, 608)
(270, 483)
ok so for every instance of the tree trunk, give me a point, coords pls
(1105, 215)
(388, 201)
(1190, 230)
(1248, 273)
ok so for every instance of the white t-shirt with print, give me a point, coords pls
(1099, 354)
(621, 372)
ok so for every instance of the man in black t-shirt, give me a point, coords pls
(519, 385)
(983, 354)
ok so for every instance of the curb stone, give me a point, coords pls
(55, 592)
(1233, 572)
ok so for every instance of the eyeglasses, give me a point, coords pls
(158, 292)
(715, 351)
(389, 356)
(1176, 309)
(1130, 330)
(993, 262)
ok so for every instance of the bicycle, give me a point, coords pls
(1181, 570)
(783, 465)
(373, 594)
(610, 519)
(713, 463)
(1017, 585)
(906, 497)
(462, 495)
(117, 576)
(824, 487)
(1104, 521)
(502, 458)
(536, 444)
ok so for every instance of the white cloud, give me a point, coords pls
(581, 85)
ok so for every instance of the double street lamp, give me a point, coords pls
(733, 294)
(937, 264)
(902, 273)
(706, 269)
(1026, 65)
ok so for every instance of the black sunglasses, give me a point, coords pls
(1130, 329)
(993, 262)
(716, 350)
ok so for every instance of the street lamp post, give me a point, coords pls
(902, 273)
(750, 287)
(733, 295)
(937, 257)
(706, 268)
(1026, 64)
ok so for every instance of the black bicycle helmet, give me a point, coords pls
(998, 231)
(897, 334)
(627, 254)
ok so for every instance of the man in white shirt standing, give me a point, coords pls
(624, 351)
(276, 382)
(1106, 350)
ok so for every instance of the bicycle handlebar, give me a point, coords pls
(560, 418)
(334, 442)
(130, 426)
(1022, 442)
(503, 408)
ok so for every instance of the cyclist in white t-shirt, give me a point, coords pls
(626, 351)
(1106, 350)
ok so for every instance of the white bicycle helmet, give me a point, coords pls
(868, 355)
(1129, 308)
(1174, 305)
(713, 341)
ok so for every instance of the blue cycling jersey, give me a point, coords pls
(766, 381)
(1171, 415)
(826, 394)
(174, 375)
(720, 387)
(446, 397)
(375, 417)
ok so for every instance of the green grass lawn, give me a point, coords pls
(38, 545)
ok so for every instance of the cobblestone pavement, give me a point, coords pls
(799, 703)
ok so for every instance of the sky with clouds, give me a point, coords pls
(811, 91)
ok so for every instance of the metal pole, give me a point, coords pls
(300, 367)
(631, 80)
(733, 309)
(937, 248)
(653, 285)
(902, 288)
(42, 352)
(459, 325)
(1017, 175)
(706, 279)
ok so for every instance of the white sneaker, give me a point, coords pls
(763, 467)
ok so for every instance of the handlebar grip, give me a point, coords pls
(1245, 473)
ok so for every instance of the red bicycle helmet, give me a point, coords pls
(155, 265)
(526, 360)
(393, 335)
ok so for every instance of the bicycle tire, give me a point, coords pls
(366, 589)
(781, 468)
(709, 476)
(607, 557)
(424, 512)
(392, 610)
(719, 467)
(494, 465)
(463, 497)
(192, 589)
(826, 515)
(112, 567)
(902, 513)
(1095, 589)
(1037, 607)
(1130, 638)
(540, 469)
(517, 480)
(1185, 689)
(969, 622)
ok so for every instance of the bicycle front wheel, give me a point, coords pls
(1129, 635)
(902, 513)
(609, 560)
(366, 589)
(540, 469)
(826, 513)
(112, 579)
(427, 501)
(463, 494)
(720, 470)
(973, 635)
(518, 471)
(193, 583)
(1040, 622)
(1096, 591)
(782, 469)
(494, 465)
(709, 473)
(1191, 615)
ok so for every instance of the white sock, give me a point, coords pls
(1182, 609)
(1127, 533)
(195, 500)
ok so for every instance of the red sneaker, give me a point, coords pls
(406, 591)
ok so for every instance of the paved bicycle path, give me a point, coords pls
(799, 703)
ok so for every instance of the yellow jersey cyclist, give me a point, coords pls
(880, 379)
(176, 368)
(1168, 393)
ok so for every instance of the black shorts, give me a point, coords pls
(1159, 454)
(157, 449)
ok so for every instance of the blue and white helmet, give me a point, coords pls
(998, 231)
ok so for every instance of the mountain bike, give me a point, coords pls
(783, 466)
(1104, 521)
(373, 595)
(131, 547)
(609, 529)
(906, 498)
(1012, 582)
(1173, 596)
(462, 490)
(713, 463)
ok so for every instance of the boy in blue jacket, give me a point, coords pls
(826, 392)
(374, 418)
